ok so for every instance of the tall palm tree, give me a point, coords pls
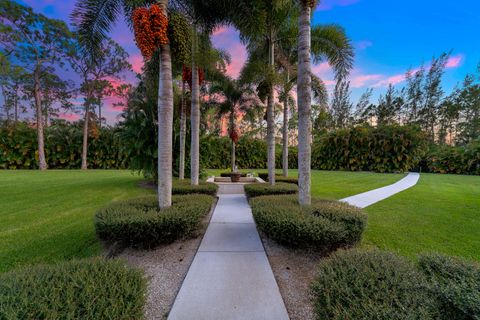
(235, 98)
(95, 19)
(341, 60)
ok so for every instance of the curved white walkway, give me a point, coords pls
(368, 198)
(230, 276)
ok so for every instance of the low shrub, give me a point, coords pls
(139, 222)
(355, 284)
(81, 289)
(184, 187)
(452, 159)
(263, 189)
(279, 178)
(323, 225)
(229, 174)
(456, 283)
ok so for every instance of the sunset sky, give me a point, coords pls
(389, 38)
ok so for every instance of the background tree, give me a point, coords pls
(341, 106)
(98, 74)
(38, 43)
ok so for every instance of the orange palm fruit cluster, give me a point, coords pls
(234, 135)
(187, 76)
(150, 28)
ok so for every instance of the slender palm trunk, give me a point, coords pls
(285, 130)
(232, 129)
(42, 163)
(85, 133)
(183, 130)
(195, 118)
(165, 123)
(304, 87)
(100, 115)
(270, 119)
(15, 105)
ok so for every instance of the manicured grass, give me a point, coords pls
(334, 185)
(440, 214)
(48, 216)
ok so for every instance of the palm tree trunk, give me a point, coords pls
(183, 130)
(100, 115)
(304, 85)
(85, 134)
(285, 130)
(42, 163)
(165, 123)
(232, 129)
(195, 118)
(271, 120)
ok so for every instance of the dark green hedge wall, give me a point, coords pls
(63, 147)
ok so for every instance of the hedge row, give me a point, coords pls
(324, 225)
(279, 178)
(357, 284)
(264, 189)
(63, 147)
(83, 289)
(140, 223)
(448, 159)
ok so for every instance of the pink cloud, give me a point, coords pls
(137, 62)
(220, 30)
(455, 61)
(227, 38)
(239, 56)
(362, 80)
(330, 4)
(69, 116)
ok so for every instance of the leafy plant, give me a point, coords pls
(264, 189)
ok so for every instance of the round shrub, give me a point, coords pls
(79, 289)
(456, 283)
(263, 189)
(279, 178)
(355, 284)
(323, 225)
(139, 222)
(184, 187)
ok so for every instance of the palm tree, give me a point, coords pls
(341, 60)
(236, 98)
(95, 19)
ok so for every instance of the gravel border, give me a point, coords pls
(294, 271)
(166, 268)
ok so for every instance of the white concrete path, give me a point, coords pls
(368, 198)
(230, 276)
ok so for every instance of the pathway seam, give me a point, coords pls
(368, 198)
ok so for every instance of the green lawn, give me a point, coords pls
(440, 214)
(48, 216)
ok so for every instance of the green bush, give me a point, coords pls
(323, 226)
(457, 284)
(184, 187)
(355, 284)
(264, 189)
(384, 149)
(139, 222)
(450, 159)
(279, 178)
(63, 147)
(83, 289)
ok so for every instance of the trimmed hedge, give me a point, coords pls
(384, 149)
(81, 289)
(356, 284)
(264, 189)
(279, 178)
(139, 223)
(63, 147)
(456, 160)
(184, 187)
(456, 283)
(324, 225)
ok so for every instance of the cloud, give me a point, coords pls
(330, 4)
(363, 80)
(69, 116)
(227, 38)
(364, 44)
(455, 61)
(137, 62)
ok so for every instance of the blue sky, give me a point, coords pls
(389, 38)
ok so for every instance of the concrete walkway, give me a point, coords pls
(230, 276)
(368, 198)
